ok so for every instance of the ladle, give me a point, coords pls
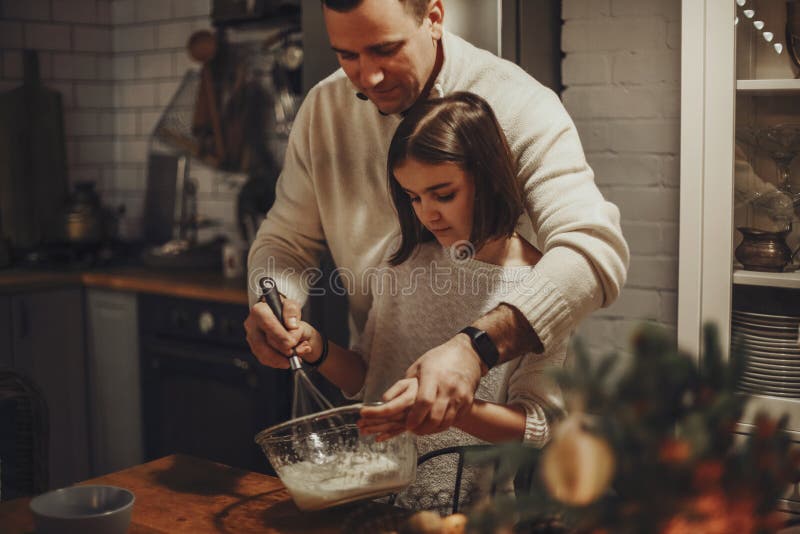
(203, 48)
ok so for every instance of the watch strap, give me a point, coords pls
(324, 355)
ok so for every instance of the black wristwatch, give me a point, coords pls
(483, 345)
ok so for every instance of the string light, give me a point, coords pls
(759, 26)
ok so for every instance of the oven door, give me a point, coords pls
(209, 401)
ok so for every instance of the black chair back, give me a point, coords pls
(24, 435)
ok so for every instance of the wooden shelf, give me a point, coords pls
(768, 86)
(756, 278)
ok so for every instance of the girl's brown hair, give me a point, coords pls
(460, 128)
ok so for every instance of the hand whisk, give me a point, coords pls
(307, 399)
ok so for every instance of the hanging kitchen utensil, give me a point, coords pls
(306, 399)
(33, 161)
(202, 48)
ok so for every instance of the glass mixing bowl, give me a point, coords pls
(323, 460)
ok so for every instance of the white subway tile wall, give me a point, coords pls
(117, 64)
(622, 77)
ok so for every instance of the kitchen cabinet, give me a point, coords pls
(47, 344)
(733, 80)
(114, 384)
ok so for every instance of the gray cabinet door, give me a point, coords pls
(48, 345)
(114, 385)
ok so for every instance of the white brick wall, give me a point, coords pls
(622, 77)
(73, 39)
(149, 60)
(117, 63)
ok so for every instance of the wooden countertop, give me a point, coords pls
(180, 493)
(189, 284)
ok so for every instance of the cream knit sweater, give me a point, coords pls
(333, 194)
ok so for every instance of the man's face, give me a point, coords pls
(385, 51)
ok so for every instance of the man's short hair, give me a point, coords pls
(418, 8)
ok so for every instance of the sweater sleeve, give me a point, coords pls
(362, 347)
(530, 386)
(585, 254)
(365, 343)
(287, 244)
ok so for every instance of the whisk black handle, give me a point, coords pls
(269, 294)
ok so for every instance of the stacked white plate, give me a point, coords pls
(771, 342)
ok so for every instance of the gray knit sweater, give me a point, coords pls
(421, 304)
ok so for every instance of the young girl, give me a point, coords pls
(452, 181)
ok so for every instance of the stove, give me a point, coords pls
(75, 257)
(203, 392)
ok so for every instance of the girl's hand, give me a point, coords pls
(389, 419)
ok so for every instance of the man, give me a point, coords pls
(333, 194)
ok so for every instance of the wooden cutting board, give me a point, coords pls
(33, 161)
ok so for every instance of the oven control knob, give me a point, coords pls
(205, 322)
(179, 319)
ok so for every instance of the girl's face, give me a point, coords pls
(442, 195)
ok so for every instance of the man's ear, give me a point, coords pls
(435, 17)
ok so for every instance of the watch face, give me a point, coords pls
(485, 348)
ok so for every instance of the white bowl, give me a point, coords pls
(83, 510)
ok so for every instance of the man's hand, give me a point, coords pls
(448, 376)
(269, 340)
(438, 389)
